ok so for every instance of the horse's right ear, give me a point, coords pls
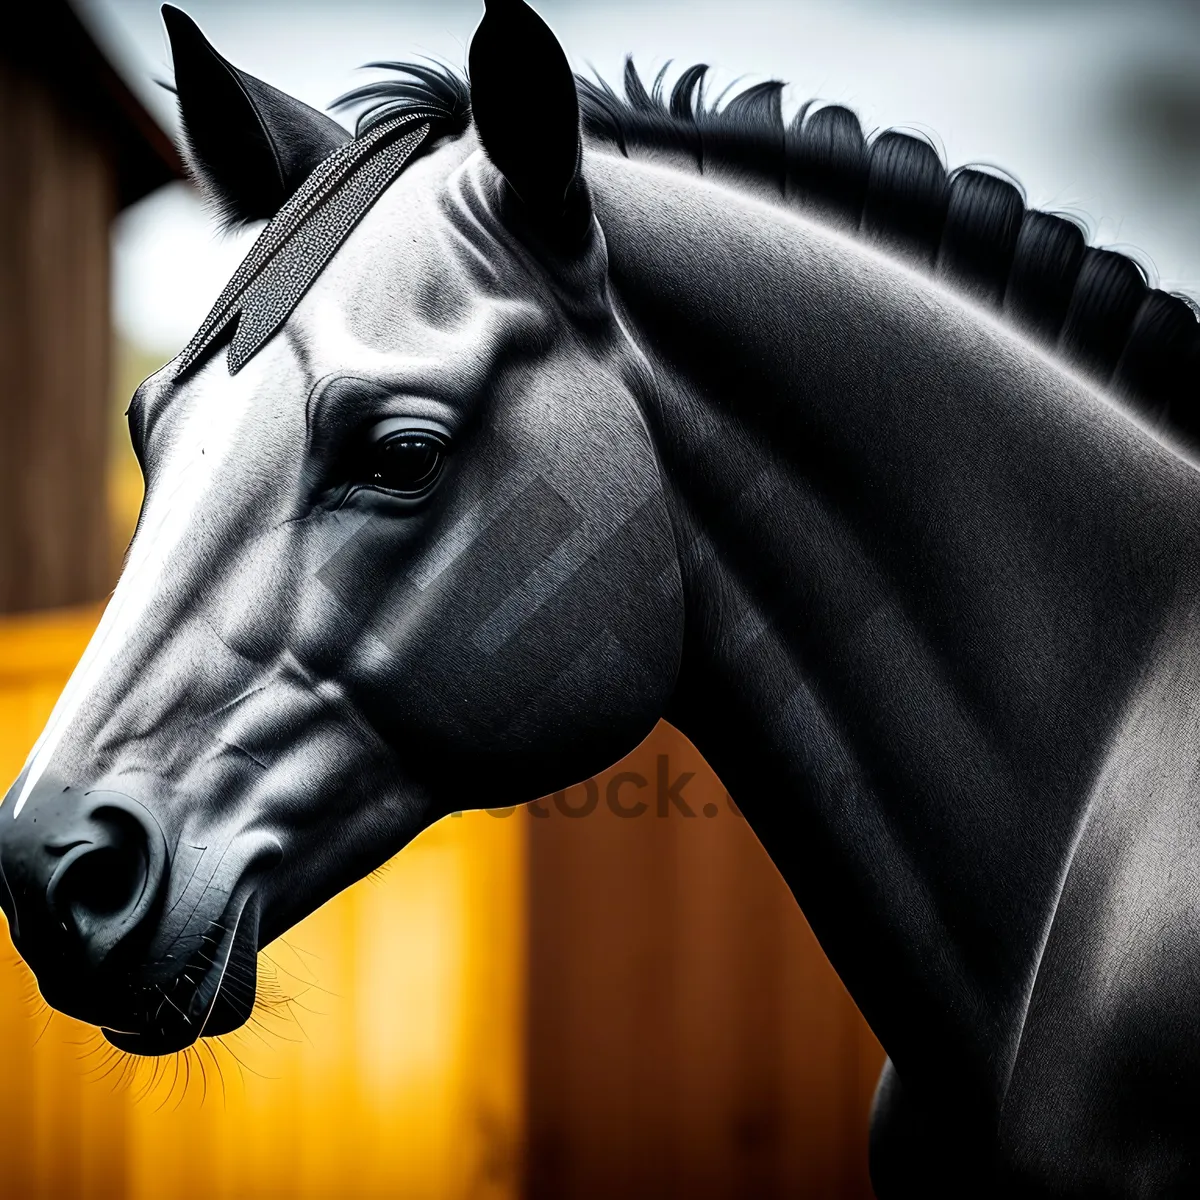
(250, 146)
(526, 112)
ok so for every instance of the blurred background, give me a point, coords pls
(523, 1004)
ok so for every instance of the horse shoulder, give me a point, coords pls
(1103, 1096)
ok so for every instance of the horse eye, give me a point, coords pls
(405, 462)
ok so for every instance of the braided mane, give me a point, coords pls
(969, 228)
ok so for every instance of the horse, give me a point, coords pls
(536, 414)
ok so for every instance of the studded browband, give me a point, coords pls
(301, 238)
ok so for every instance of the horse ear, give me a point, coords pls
(526, 112)
(250, 146)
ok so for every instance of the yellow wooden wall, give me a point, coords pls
(396, 1070)
(688, 1036)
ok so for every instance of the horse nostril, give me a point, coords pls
(82, 880)
(103, 882)
(102, 885)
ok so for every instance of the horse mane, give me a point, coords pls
(969, 227)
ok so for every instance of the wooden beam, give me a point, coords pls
(56, 203)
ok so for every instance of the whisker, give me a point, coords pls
(204, 1044)
(147, 1088)
(279, 967)
(267, 1030)
(128, 1070)
(203, 1075)
(113, 1062)
(242, 1064)
(308, 983)
(103, 1048)
(174, 1005)
(187, 1080)
(42, 1034)
(316, 1012)
(97, 1070)
(170, 1091)
(256, 1028)
(300, 949)
(93, 1037)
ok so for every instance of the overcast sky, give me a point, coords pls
(1094, 106)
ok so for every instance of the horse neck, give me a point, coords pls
(924, 569)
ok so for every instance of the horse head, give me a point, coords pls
(404, 547)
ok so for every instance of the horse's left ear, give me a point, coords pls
(250, 146)
(526, 112)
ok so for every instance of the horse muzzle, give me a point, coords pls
(86, 885)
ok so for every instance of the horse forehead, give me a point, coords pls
(425, 254)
